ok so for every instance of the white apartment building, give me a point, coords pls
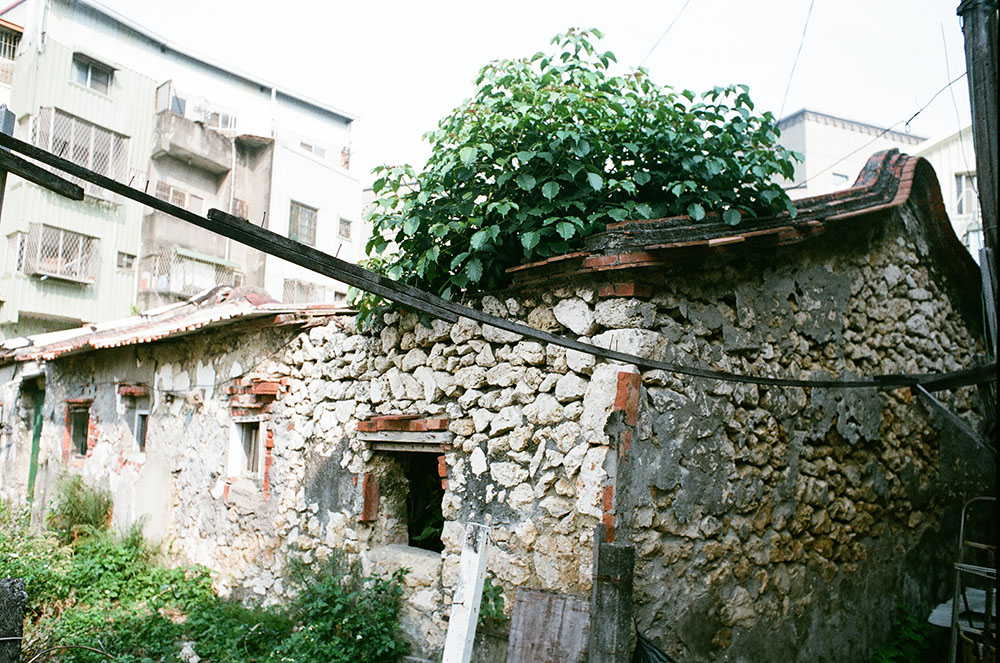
(93, 86)
(836, 149)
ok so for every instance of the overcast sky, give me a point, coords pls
(402, 66)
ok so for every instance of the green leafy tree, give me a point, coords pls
(552, 148)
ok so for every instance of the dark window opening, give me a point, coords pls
(137, 418)
(249, 437)
(79, 421)
(424, 519)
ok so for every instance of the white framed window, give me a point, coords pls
(180, 197)
(92, 74)
(314, 149)
(137, 418)
(302, 223)
(344, 228)
(126, 261)
(246, 447)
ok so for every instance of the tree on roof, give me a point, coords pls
(552, 148)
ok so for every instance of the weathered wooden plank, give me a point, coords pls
(43, 178)
(408, 447)
(468, 595)
(547, 627)
(422, 437)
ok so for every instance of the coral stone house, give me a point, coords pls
(769, 523)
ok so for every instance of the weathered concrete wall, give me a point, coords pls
(768, 522)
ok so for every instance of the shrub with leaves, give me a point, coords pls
(552, 148)
(79, 508)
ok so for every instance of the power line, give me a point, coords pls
(884, 132)
(669, 27)
(795, 62)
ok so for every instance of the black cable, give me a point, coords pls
(795, 62)
(665, 32)
(884, 132)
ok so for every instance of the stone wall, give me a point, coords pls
(767, 521)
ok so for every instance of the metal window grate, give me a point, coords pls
(59, 253)
(8, 44)
(170, 273)
(304, 292)
(85, 144)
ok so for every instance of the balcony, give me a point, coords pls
(192, 142)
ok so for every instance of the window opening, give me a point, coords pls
(245, 450)
(424, 518)
(345, 228)
(137, 418)
(79, 421)
(965, 193)
(302, 223)
(125, 260)
(92, 75)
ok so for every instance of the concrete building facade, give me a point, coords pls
(113, 96)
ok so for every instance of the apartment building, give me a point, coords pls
(98, 89)
(835, 150)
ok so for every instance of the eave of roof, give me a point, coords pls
(888, 181)
(170, 323)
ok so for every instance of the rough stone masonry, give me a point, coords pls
(768, 522)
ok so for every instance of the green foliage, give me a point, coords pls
(79, 508)
(491, 608)
(38, 559)
(109, 593)
(552, 148)
(910, 641)
(345, 618)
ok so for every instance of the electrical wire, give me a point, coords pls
(665, 32)
(884, 132)
(795, 62)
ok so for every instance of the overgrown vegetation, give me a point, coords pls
(910, 641)
(552, 148)
(90, 588)
(78, 509)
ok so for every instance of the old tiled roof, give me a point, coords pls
(168, 322)
(888, 181)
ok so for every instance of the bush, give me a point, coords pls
(79, 508)
(549, 150)
(107, 592)
(346, 618)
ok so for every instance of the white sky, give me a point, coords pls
(402, 66)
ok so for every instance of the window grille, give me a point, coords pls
(8, 44)
(8, 49)
(302, 223)
(85, 144)
(304, 292)
(15, 252)
(250, 438)
(175, 274)
(50, 251)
